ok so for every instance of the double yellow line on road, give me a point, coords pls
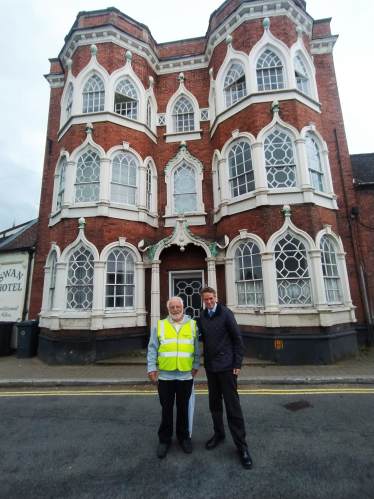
(242, 391)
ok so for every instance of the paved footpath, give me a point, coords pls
(133, 370)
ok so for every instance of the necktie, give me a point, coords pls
(211, 313)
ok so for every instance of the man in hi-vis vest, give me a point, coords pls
(174, 344)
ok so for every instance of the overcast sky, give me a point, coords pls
(31, 31)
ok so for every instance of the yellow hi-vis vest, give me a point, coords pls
(176, 351)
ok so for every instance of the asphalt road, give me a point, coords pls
(79, 444)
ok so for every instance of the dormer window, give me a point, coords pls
(93, 95)
(269, 72)
(301, 76)
(183, 116)
(234, 85)
(126, 99)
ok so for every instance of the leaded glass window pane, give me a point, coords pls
(313, 156)
(248, 275)
(183, 116)
(123, 185)
(269, 72)
(149, 114)
(120, 279)
(301, 76)
(185, 194)
(80, 279)
(234, 84)
(330, 272)
(69, 104)
(279, 159)
(93, 95)
(87, 184)
(126, 99)
(61, 185)
(241, 176)
(294, 286)
(52, 282)
(149, 188)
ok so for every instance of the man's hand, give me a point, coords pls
(236, 371)
(153, 376)
(193, 372)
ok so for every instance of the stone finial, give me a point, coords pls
(183, 145)
(93, 49)
(69, 64)
(286, 210)
(229, 40)
(89, 127)
(181, 77)
(129, 56)
(211, 72)
(151, 81)
(299, 31)
(266, 23)
(275, 106)
(81, 223)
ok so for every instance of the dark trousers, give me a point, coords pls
(168, 391)
(224, 384)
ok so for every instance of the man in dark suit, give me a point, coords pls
(223, 356)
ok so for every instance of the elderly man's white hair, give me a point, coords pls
(174, 298)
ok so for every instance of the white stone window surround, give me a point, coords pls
(194, 134)
(61, 164)
(277, 139)
(104, 206)
(330, 271)
(197, 217)
(110, 84)
(233, 89)
(98, 317)
(129, 105)
(149, 163)
(301, 75)
(124, 167)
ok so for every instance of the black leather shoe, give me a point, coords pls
(186, 445)
(162, 450)
(214, 441)
(245, 459)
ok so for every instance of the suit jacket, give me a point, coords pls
(222, 340)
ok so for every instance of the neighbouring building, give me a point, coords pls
(218, 160)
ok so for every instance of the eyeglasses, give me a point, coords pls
(178, 307)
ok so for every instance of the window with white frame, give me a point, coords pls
(61, 185)
(279, 160)
(149, 114)
(93, 95)
(126, 99)
(330, 271)
(204, 114)
(123, 184)
(52, 281)
(234, 85)
(241, 176)
(87, 183)
(161, 119)
(293, 281)
(184, 186)
(269, 71)
(69, 103)
(183, 116)
(248, 275)
(313, 156)
(79, 293)
(120, 279)
(301, 75)
(149, 188)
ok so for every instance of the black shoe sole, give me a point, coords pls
(214, 446)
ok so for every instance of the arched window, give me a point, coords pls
(294, 286)
(126, 99)
(240, 169)
(79, 293)
(123, 185)
(149, 188)
(234, 85)
(330, 271)
(279, 160)
(61, 185)
(313, 156)
(87, 184)
(301, 76)
(52, 282)
(69, 103)
(183, 116)
(269, 72)
(149, 114)
(185, 194)
(248, 275)
(120, 279)
(93, 95)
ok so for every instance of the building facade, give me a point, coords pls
(219, 160)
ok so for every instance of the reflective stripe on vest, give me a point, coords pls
(176, 350)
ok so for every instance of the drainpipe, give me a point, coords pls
(31, 252)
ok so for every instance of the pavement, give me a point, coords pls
(132, 370)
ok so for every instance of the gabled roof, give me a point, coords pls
(22, 239)
(363, 167)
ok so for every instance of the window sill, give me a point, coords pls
(180, 136)
(192, 219)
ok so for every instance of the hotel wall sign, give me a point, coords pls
(12, 284)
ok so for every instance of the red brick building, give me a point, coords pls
(220, 160)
